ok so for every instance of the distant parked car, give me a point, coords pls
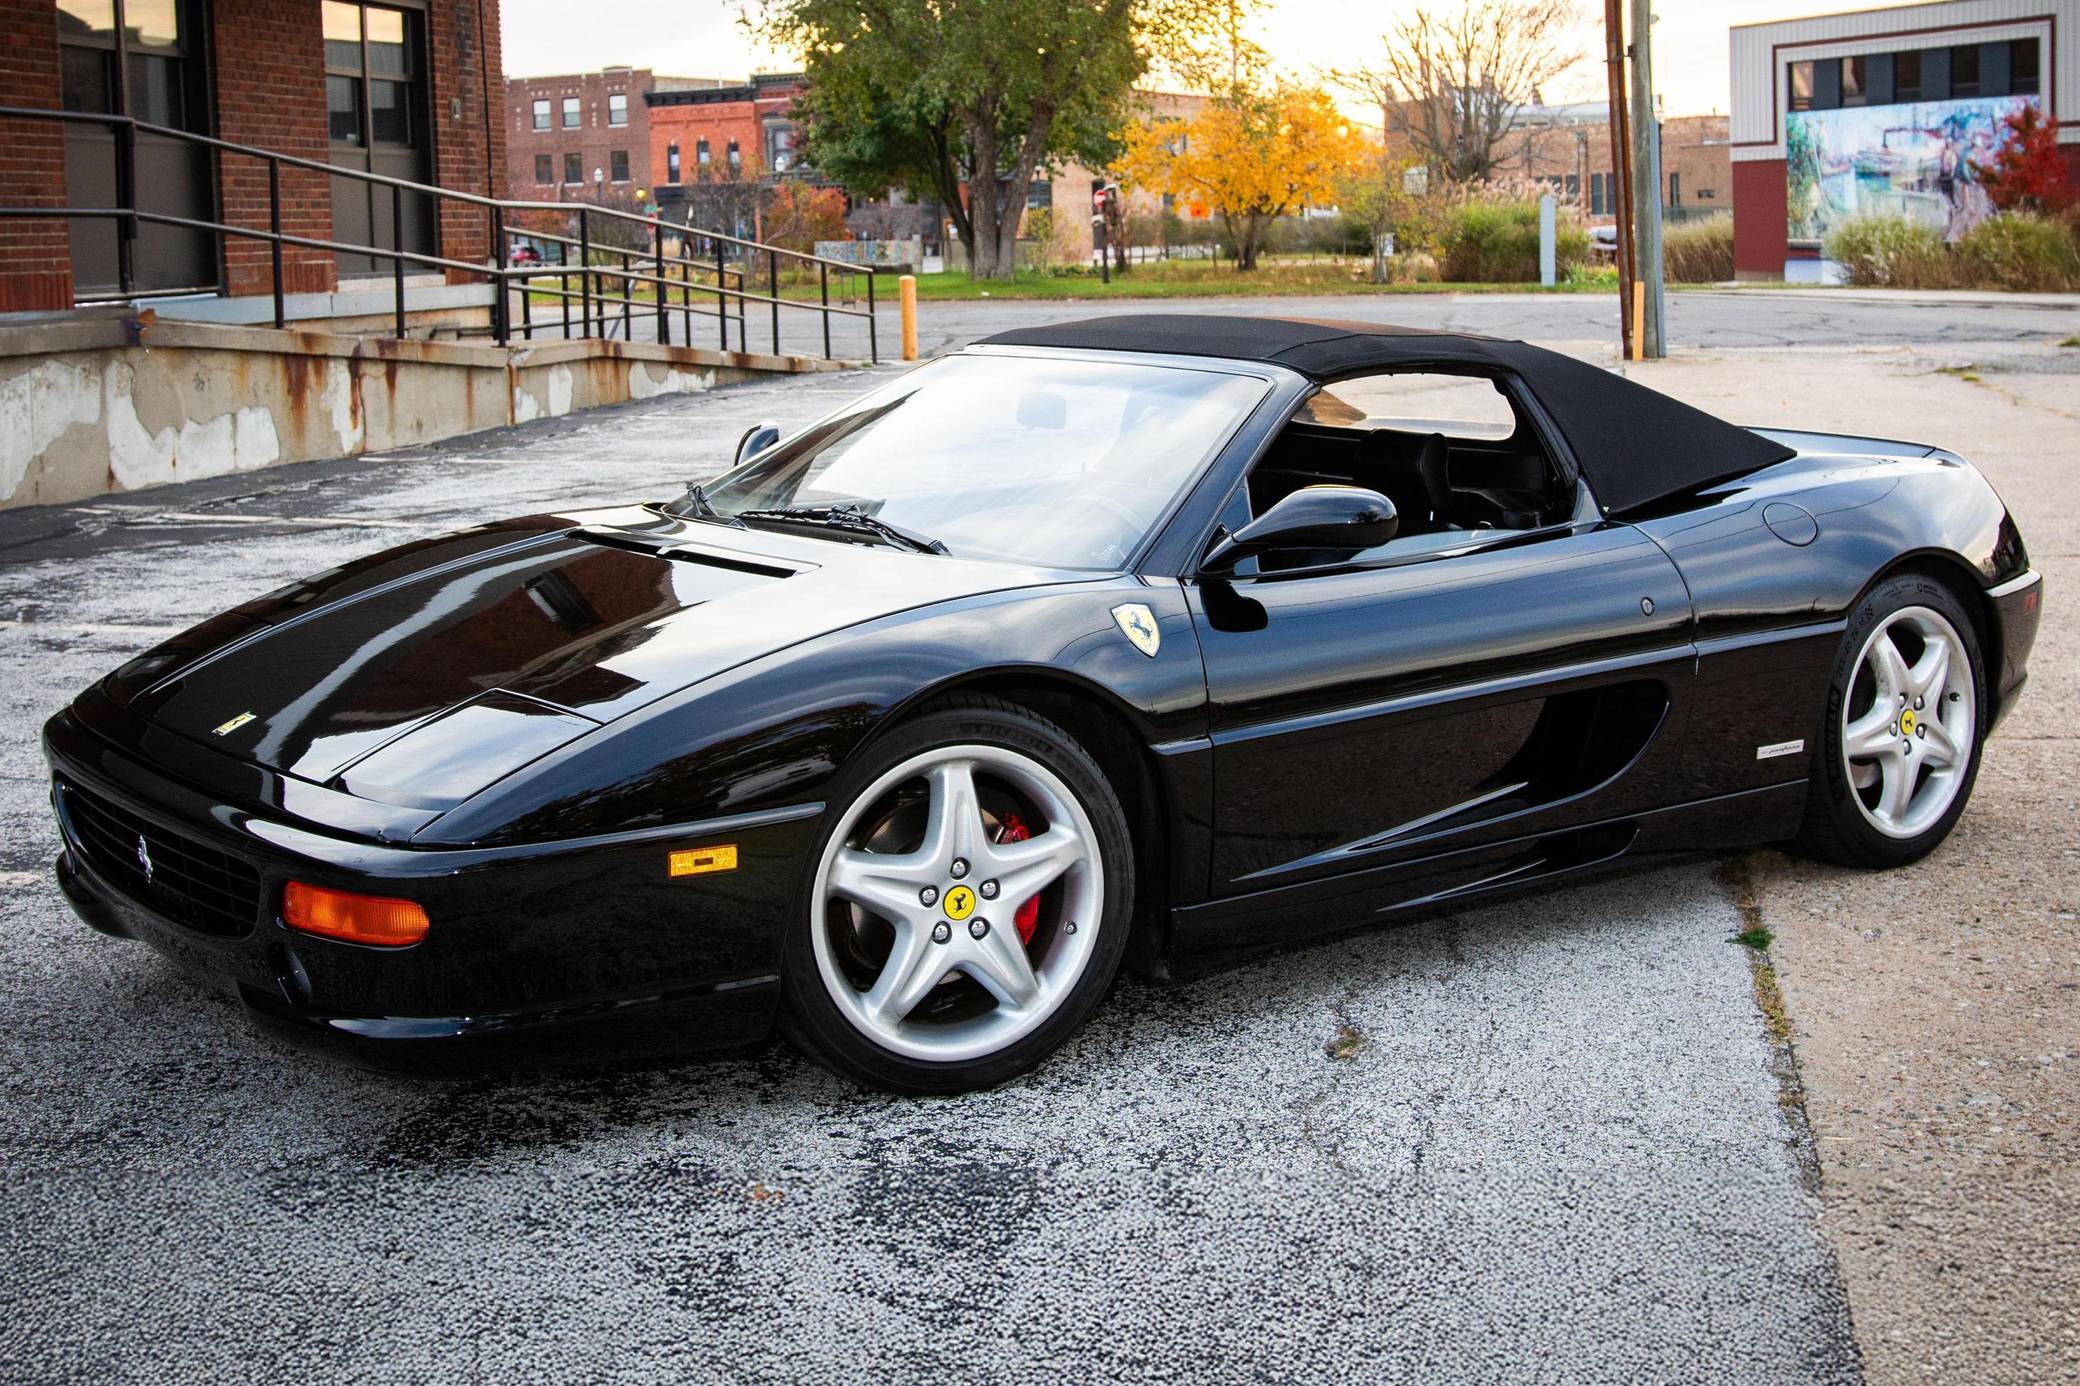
(1604, 240)
(526, 255)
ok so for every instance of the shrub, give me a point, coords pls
(1891, 252)
(1497, 243)
(2019, 250)
(1698, 252)
(2028, 172)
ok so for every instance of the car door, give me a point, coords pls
(1403, 729)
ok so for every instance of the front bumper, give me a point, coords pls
(557, 952)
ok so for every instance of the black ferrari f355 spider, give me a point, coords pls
(1154, 639)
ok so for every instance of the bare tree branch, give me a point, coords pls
(1454, 81)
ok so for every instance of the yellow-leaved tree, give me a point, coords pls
(1249, 156)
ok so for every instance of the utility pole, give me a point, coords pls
(1621, 167)
(1647, 186)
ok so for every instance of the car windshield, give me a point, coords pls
(1052, 461)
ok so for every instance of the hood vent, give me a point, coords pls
(680, 552)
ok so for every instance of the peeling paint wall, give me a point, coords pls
(80, 423)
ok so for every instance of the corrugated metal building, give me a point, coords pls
(1885, 111)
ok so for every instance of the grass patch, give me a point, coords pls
(1205, 279)
(1968, 374)
(1347, 1043)
(1757, 938)
(2070, 342)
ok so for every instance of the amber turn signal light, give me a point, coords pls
(341, 914)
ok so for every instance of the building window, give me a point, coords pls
(1574, 187)
(1675, 189)
(780, 141)
(1906, 76)
(617, 109)
(618, 165)
(1855, 78)
(671, 163)
(700, 153)
(2022, 67)
(570, 112)
(1039, 193)
(369, 71)
(736, 157)
(573, 169)
(1596, 207)
(544, 169)
(541, 113)
(1802, 86)
(1964, 71)
(1705, 194)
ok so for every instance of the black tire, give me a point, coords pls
(1835, 828)
(813, 1019)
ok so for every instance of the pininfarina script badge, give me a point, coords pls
(1138, 624)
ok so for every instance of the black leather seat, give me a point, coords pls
(1418, 483)
(1433, 469)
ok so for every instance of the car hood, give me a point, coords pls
(419, 676)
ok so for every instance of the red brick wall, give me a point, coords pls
(468, 121)
(268, 60)
(594, 141)
(35, 256)
(1760, 215)
(268, 56)
(717, 122)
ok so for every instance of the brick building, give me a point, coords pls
(1569, 150)
(1886, 111)
(1069, 188)
(586, 131)
(745, 130)
(404, 88)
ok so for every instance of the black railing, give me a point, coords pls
(695, 278)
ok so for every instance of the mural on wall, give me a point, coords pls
(1920, 160)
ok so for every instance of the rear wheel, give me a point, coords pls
(1903, 732)
(968, 906)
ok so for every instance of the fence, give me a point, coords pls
(598, 269)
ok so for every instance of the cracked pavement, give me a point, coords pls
(1543, 1141)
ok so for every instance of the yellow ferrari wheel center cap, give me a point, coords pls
(1906, 722)
(960, 903)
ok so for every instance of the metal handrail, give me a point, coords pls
(129, 216)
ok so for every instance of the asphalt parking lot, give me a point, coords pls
(1549, 1141)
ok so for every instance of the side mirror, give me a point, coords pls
(756, 440)
(1313, 517)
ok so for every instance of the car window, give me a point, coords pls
(1457, 406)
(1055, 461)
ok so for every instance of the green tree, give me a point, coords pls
(952, 96)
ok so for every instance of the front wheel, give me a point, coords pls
(968, 905)
(1902, 739)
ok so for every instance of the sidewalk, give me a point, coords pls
(1839, 293)
(1936, 1010)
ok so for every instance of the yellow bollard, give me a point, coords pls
(1639, 320)
(907, 287)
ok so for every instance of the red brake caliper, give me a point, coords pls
(1012, 828)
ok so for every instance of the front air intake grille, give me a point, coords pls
(168, 873)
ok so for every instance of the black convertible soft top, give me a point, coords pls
(1635, 445)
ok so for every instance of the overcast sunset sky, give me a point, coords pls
(703, 38)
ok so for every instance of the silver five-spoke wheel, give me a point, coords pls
(1908, 722)
(957, 902)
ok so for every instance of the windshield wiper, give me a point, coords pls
(852, 518)
(697, 501)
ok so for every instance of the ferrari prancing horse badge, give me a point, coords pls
(1138, 624)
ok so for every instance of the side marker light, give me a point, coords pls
(701, 861)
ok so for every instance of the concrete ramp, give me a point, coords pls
(93, 403)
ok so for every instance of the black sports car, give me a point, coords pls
(1162, 638)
